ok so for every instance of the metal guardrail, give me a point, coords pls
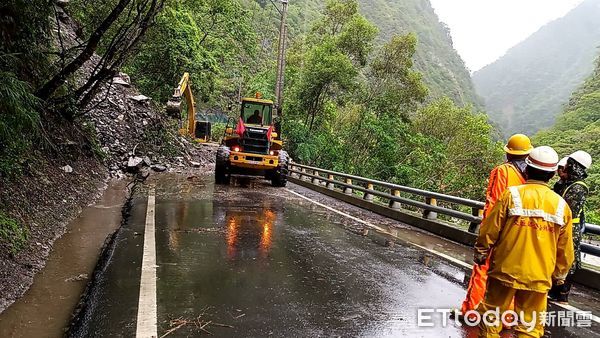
(368, 187)
(349, 184)
(592, 229)
(588, 247)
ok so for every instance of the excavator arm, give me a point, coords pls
(187, 123)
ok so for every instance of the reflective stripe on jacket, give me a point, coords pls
(531, 232)
(501, 177)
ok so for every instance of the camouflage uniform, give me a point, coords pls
(574, 191)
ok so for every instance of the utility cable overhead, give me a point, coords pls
(277, 8)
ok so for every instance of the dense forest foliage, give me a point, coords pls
(527, 88)
(578, 128)
(229, 44)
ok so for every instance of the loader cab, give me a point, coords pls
(257, 112)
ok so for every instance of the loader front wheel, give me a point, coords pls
(222, 175)
(280, 174)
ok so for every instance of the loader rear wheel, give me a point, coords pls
(280, 174)
(222, 175)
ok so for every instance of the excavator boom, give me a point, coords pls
(198, 130)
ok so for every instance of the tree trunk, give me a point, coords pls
(48, 89)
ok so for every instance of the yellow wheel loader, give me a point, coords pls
(199, 131)
(252, 146)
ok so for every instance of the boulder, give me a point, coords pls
(158, 167)
(122, 79)
(139, 98)
(67, 169)
(134, 163)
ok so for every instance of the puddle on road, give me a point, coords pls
(45, 309)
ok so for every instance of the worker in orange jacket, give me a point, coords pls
(509, 174)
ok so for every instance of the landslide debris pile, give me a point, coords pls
(132, 131)
(135, 134)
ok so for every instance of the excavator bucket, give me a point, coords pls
(174, 107)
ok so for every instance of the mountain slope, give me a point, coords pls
(526, 88)
(443, 69)
(578, 128)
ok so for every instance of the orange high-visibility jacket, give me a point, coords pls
(531, 232)
(501, 177)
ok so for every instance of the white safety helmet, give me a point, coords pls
(582, 158)
(563, 161)
(543, 158)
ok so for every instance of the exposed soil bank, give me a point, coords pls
(44, 201)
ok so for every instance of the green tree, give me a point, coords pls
(211, 39)
(395, 88)
(465, 139)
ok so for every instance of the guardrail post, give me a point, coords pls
(393, 204)
(369, 197)
(303, 176)
(428, 214)
(316, 180)
(330, 185)
(348, 191)
(474, 226)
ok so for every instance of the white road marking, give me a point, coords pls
(437, 253)
(146, 317)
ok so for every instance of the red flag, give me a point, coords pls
(240, 128)
(269, 132)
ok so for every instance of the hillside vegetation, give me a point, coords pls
(443, 70)
(578, 128)
(355, 107)
(527, 88)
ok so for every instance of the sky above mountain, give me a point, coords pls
(483, 31)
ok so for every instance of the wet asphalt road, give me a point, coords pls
(256, 261)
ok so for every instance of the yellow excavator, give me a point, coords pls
(199, 131)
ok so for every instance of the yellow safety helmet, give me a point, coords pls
(518, 144)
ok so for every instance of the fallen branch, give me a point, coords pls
(176, 324)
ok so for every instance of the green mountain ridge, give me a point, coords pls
(443, 70)
(526, 88)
